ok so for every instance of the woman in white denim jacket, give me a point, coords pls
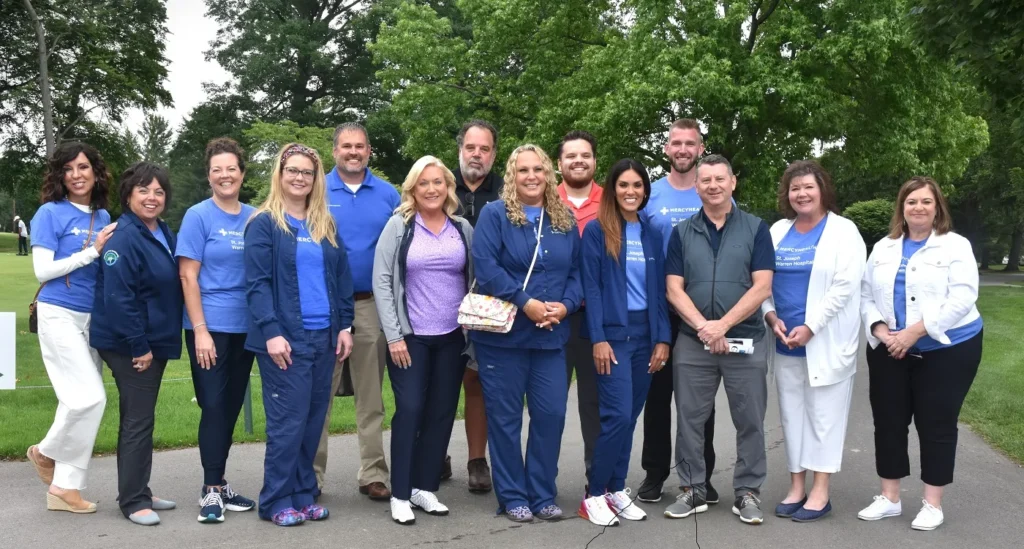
(925, 339)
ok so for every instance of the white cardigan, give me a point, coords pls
(941, 285)
(833, 300)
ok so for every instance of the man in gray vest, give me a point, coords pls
(718, 272)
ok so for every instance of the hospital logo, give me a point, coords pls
(110, 257)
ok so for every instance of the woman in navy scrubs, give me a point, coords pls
(530, 226)
(627, 317)
(299, 290)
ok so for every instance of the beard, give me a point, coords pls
(343, 167)
(683, 165)
(473, 173)
(577, 183)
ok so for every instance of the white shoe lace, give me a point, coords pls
(929, 508)
(228, 492)
(212, 498)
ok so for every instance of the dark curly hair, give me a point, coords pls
(142, 174)
(225, 145)
(53, 182)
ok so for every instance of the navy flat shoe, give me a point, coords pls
(805, 515)
(786, 510)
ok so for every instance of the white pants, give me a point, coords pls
(74, 369)
(813, 418)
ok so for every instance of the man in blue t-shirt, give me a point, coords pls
(361, 204)
(673, 199)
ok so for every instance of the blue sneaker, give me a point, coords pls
(235, 502)
(211, 507)
(806, 515)
(786, 510)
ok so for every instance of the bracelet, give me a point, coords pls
(198, 325)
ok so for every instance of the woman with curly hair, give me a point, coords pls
(68, 234)
(525, 251)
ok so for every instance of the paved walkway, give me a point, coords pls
(982, 508)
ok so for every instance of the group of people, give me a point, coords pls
(648, 293)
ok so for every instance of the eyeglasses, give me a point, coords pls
(469, 199)
(295, 172)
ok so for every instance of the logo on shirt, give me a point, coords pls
(110, 257)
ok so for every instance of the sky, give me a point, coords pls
(189, 35)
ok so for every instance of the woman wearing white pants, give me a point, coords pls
(814, 313)
(68, 234)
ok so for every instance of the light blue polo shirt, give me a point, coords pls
(361, 217)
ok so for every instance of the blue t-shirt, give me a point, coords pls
(309, 264)
(63, 228)
(793, 261)
(216, 239)
(667, 206)
(533, 215)
(159, 235)
(636, 269)
(899, 301)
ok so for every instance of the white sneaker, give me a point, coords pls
(928, 519)
(881, 508)
(596, 510)
(622, 505)
(428, 502)
(401, 511)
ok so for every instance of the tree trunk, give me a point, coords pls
(986, 257)
(44, 79)
(1016, 241)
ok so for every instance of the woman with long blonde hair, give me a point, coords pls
(525, 251)
(299, 292)
(421, 272)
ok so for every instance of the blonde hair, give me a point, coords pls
(319, 220)
(559, 214)
(407, 208)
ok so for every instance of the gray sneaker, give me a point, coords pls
(686, 504)
(748, 508)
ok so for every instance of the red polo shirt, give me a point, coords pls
(587, 211)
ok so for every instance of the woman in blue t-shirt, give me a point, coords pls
(68, 233)
(299, 292)
(212, 269)
(623, 272)
(924, 345)
(819, 260)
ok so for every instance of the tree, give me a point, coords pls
(872, 218)
(155, 139)
(772, 81)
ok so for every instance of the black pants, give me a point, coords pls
(930, 390)
(22, 245)
(220, 392)
(657, 454)
(579, 356)
(137, 404)
(426, 401)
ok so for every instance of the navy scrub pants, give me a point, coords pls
(295, 402)
(220, 392)
(507, 375)
(426, 400)
(621, 397)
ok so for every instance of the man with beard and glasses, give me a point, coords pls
(475, 185)
(361, 204)
(673, 199)
(577, 161)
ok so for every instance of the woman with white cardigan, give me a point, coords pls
(819, 261)
(924, 337)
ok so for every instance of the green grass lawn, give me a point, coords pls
(995, 407)
(27, 412)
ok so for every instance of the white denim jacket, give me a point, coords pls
(941, 285)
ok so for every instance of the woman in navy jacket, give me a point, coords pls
(136, 327)
(299, 291)
(529, 360)
(627, 317)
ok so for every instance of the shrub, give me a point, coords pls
(872, 218)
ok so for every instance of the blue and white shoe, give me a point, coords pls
(235, 502)
(211, 507)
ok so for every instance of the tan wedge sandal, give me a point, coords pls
(76, 505)
(44, 465)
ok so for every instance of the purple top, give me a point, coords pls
(435, 279)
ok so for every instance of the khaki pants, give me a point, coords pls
(366, 366)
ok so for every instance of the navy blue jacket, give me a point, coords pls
(138, 303)
(604, 285)
(501, 258)
(272, 284)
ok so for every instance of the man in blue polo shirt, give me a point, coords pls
(361, 204)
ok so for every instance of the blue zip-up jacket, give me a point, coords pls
(138, 303)
(272, 284)
(501, 258)
(604, 285)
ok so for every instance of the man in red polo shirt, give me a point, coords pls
(577, 161)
